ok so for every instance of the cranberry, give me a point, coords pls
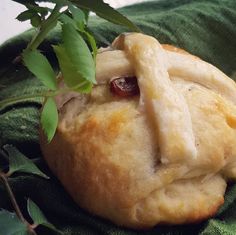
(124, 86)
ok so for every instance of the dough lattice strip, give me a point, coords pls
(185, 66)
(163, 104)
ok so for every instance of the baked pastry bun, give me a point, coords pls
(154, 142)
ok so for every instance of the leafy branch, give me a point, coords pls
(45, 27)
(76, 62)
(12, 222)
(12, 197)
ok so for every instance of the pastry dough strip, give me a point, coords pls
(196, 70)
(167, 109)
(187, 67)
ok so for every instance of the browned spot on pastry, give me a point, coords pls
(115, 122)
(107, 130)
(231, 121)
(230, 116)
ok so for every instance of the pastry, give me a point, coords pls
(154, 142)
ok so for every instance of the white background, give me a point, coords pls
(9, 26)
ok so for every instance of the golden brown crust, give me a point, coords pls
(107, 156)
(105, 174)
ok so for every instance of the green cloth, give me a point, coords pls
(206, 28)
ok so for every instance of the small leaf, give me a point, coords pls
(77, 13)
(92, 42)
(19, 163)
(105, 11)
(38, 217)
(70, 74)
(35, 20)
(11, 225)
(78, 16)
(40, 67)
(86, 13)
(35, 213)
(78, 52)
(66, 19)
(43, 11)
(25, 15)
(49, 118)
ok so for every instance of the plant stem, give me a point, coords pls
(12, 198)
(46, 94)
(12, 100)
(46, 26)
(15, 204)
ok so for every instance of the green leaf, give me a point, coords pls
(32, 13)
(92, 42)
(38, 217)
(43, 11)
(35, 213)
(66, 19)
(25, 15)
(86, 13)
(40, 67)
(97, 6)
(71, 76)
(78, 52)
(11, 225)
(49, 118)
(77, 13)
(35, 20)
(78, 16)
(105, 11)
(19, 163)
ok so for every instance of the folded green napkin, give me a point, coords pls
(206, 28)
